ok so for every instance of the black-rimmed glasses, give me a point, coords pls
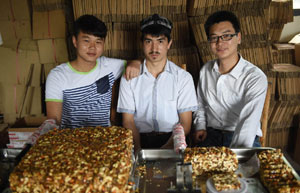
(225, 37)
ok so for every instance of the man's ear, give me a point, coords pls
(74, 40)
(170, 43)
(239, 35)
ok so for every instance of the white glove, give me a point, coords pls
(179, 138)
(47, 125)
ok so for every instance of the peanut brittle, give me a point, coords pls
(275, 174)
(226, 181)
(76, 160)
(208, 159)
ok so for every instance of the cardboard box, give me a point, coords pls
(15, 145)
(30, 121)
(15, 66)
(14, 9)
(13, 104)
(297, 54)
(49, 24)
(20, 133)
(15, 30)
(21, 44)
(53, 51)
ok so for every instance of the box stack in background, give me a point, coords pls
(285, 104)
(279, 13)
(285, 101)
(20, 68)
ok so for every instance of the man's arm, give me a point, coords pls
(132, 69)
(200, 117)
(54, 111)
(185, 120)
(250, 115)
(128, 122)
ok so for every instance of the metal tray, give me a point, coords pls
(160, 168)
(8, 160)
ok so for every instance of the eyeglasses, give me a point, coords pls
(225, 37)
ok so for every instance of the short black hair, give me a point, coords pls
(90, 24)
(221, 16)
(156, 25)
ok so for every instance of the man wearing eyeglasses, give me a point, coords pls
(231, 90)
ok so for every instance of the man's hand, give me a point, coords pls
(47, 125)
(200, 135)
(133, 69)
(167, 146)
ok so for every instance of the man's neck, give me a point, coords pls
(82, 66)
(155, 68)
(227, 64)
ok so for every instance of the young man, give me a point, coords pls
(78, 93)
(231, 91)
(161, 96)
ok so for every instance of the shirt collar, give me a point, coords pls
(236, 71)
(144, 69)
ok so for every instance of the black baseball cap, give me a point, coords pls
(156, 19)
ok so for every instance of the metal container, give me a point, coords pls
(8, 160)
(160, 167)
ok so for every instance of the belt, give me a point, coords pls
(220, 130)
(153, 133)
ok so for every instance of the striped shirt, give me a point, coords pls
(86, 96)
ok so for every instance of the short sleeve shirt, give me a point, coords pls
(86, 96)
(157, 102)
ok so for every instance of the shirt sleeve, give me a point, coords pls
(119, 67)
(250, 115)
(54, 90)
(126, 103)
(187, 99)
(199, 117)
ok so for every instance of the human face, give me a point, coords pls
(88, 47)
(224, 49)
(156, 48)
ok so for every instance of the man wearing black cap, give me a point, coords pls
(161, 96)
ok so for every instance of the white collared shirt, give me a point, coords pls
(157, 102)
(232, 101)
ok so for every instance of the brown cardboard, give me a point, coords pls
(14, 10)
(16, 66)
(12, 101)
(12, 30)
(21, 130)
(53, 51)
(30, 121)
(297, 54)
(22, 44)
(49, 24)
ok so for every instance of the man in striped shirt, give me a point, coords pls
(78, 93)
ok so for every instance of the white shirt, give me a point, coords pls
(232, 101)
(156, 102)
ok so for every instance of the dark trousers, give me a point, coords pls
(216, 137)
(154, 140)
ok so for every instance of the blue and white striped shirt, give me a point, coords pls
(86, 96)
